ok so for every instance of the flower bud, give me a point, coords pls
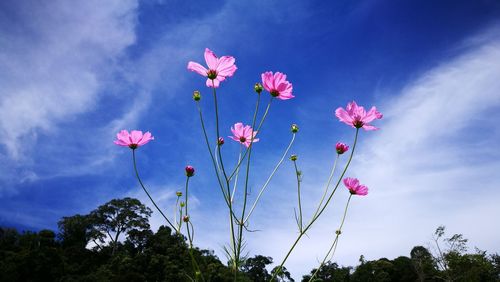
(341, 148)
(178, 193)
(220, 141)
(189, 171)
(294, 128)
(258, 87)
(182, 204)
(293, 157)
(196, 95)
(185, 218)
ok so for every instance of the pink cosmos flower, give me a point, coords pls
(243, 134)
(357, 117)
(218, 68)
(354, 187)
(341, 148)
(134, 139)
(277, 85)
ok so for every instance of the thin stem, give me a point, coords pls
(269, 178)
(221, 185)
(340, 179)
(245, 193)
(147, 193)
(257, 133)
(186, 209)
(327, 185)
(314, 218)
(236, 178)
(297, 172)
(228, 195)
(334, 245)
(218, 134)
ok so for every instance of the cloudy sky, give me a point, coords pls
(72, 74)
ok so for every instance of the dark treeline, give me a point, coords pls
(115, 243)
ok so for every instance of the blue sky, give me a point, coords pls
(72, 75)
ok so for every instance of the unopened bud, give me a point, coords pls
(293, 157)
(294, 128)
(258, 87)
(185, 218)
(182, 204)
(220, 141)
(196, 95)
(341, 148)
(178, 193)
(189, 171)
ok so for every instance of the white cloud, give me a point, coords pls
(55, 57)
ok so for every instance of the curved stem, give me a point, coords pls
(340, 179)
(269, 178)
(218, 135)
(186, 210)
(258, 131)
(334, 245)
(245, 192)
(221, 185)
(147, 193)
(298, 192)
(236, 178)
(314, 218)
(327, 185)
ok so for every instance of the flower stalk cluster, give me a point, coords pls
(235, 191)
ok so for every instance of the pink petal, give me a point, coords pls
(213, 83)
(211, 59)
(121, 143)
(344, 116)
(267, 81)
(192, 66)
(372, 115)
(235, 138)
(226, 66)
(369, 127)
(135, 136)
(145, 138)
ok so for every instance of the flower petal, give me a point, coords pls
(211, 59)
(193, 66)
(344, 116)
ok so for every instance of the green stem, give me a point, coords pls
(327, 185)
(186, 209)
(245, 192)
(147, 193)
(258, 131)
(340, 179)
(334, 245)
(269, 179)
(314, 218)
(221, 185)
(298, 192)
(236, 178)
(218, 135)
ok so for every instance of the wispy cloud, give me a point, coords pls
(433, 162)
(55, 59)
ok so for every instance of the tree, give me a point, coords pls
(330, 271)
(119, 216)
(77, 231)
(283, 276)
(255, 268)
(424, 263)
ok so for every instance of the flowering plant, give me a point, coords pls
(279, 88)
